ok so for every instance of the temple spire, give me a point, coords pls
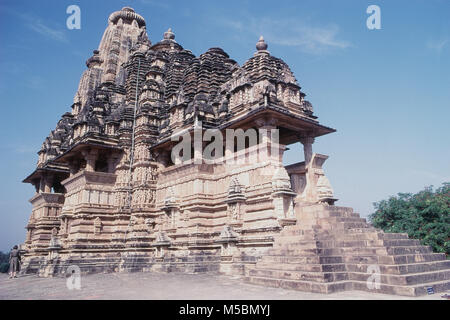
(261, 45)
(169, 35)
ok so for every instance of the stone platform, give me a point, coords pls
(160, 286)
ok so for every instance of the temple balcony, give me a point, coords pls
(44, 219)
(89, 188)
(46, 205)
(88, 209)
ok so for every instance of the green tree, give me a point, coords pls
(424, 215)
(4, 262)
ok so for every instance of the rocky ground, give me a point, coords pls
(164, 286)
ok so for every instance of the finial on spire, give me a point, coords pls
(169, 35)
(261, 45)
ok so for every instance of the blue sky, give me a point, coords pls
(387, 91)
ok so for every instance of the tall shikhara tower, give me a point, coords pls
(110, 195)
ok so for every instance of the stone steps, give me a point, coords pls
(294, 252)
(392, 236)
(301, 285)
(350, 225)
(291, 231)
(313, 267)
(307, 260)
(412, 291)
(336, 220)
(336, 211)
(310, 286)
(325, 273)
(405, 279)
(301, 244)
(408, 250)
(299, 275)
(341, 236)
(400, 242)
(380, 250)
(286, 242)
(359, 230)
(348, 219)
(353, 230)
(335, 214)
(400, 269)
(411, 258)
(332, 250)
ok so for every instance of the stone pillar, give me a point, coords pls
(229, 154)
(73, 167)
(269, 143)
(162, 157)
(198, 144)
(307, 149)
(42, 185)
(310, 186)
(112, 160)
(265, 137)
(198, 153)
(48, 183)
(111, 165)
(90, 158)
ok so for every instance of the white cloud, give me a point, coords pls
(36, 24)
(48, 32)
(292, 33)
(438, 45)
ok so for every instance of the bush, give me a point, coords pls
(4, 257)
(4, 267)
(424, 215)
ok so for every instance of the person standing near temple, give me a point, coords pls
(14, 262)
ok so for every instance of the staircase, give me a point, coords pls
(332, 249)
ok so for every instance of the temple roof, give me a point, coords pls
(211, 87)
(127, 14)
(265, 66)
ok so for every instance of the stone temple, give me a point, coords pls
(110, 196)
